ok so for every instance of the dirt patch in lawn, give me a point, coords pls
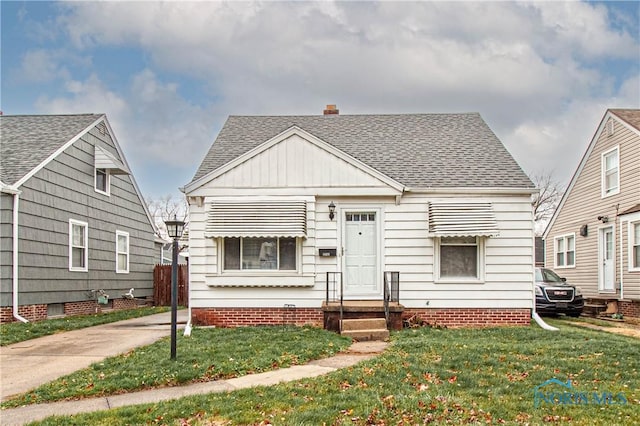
(626, 329)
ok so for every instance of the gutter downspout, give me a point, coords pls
(621, 260)
(16, 203)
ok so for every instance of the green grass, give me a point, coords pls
(19, 332)
(429, 376)
(208, 354)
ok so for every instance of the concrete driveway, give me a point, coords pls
(32, 363)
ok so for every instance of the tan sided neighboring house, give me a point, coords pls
(593, 239)
(72, 219)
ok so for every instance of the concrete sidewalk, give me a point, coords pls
(359, 351)
(32, 363)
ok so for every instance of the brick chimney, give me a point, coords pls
(331, 110)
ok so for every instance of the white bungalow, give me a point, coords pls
(298, 218)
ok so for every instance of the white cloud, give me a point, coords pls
(524, 66)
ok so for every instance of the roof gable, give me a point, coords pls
(628, 117)
(416, 150)
(295, 158)
(30, 141)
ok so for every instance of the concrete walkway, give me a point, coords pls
(62, 354)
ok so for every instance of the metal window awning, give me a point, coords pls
(106, 160)
(462, 219)
(259, 218)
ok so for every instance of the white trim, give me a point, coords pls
(256, 273)
(107, 177)
(603, 172)
(341, 213)
(127, 252)
(85, 226)
(480, 263)
(566, 250)
(632, 222)
(293, 130)
(601, 252)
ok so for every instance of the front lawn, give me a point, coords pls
(434, 376)
(208, 354)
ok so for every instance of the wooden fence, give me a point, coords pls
(162, 285)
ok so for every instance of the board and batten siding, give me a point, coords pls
(64, 190)
(585, 203)
(405, 247)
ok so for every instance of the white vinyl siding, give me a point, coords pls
(78, 246)
(122, 252)
(565, 251)
(610, 172)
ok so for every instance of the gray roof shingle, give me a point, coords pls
(417, 150)
(28, 140)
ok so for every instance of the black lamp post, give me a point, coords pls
(174, 229)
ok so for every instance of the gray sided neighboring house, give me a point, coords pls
(82, 224)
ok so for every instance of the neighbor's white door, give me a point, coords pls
(607, 260)
(360, 253)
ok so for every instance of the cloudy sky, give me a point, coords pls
(167, 74)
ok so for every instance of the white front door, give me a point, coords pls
(360, 253)
(607, 260)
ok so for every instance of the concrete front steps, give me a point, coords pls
(365, 329)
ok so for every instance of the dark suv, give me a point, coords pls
(555, 296)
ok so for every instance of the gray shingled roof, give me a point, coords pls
(417, 150)
(28, 140)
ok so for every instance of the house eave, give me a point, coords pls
(473, 191)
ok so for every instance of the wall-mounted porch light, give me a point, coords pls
(603, 219)
(332, 210)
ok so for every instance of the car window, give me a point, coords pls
(550, 276)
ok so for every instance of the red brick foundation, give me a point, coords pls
(85, 307)
(629, 308)
(237, 317)
(467, 317)
(29, 312)
(471, 317)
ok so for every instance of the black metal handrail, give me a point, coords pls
(391, 291)
(335, 292)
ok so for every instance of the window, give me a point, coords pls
(459, 258)
(610, 173)
(122, 252)
(78, 245)
(102, 181)
(634, 246)
(260, 253)
(565, 251)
